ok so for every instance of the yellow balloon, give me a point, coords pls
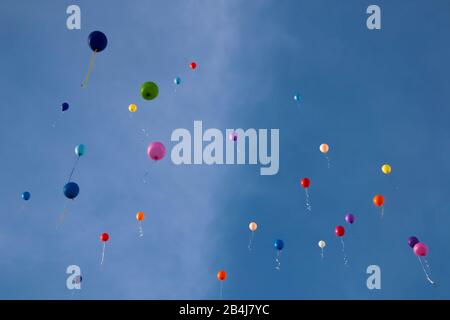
(132, 107)
(386, 168)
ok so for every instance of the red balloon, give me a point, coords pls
(221, 275)
(339, 231)
(305, 182)
(192, 65)
(378, 200)
(104, 237)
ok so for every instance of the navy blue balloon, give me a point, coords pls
(26, 196)
(412, 241)
(97, 41)
(278, 244)
(65, 106)
(71, 190)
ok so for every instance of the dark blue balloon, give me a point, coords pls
(65, 106)
(71, 190)
(412, 241)
(26, 196)
(97, 41)
(278, 244)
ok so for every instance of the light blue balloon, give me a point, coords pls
(297, 97)
(177, 80)
(80, 150)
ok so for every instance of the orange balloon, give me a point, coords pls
(140, 216)
(252, 226)
(378, 200)
(221, 275)
(324, 148)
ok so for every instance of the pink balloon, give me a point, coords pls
(233, 136)
(156, 151)
(420, 249)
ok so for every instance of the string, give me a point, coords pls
(308, 203)
(91, 64)
(73, 168)
(103, 253)
(141, 230)
(250, 241)
(321, 253)
(345, 255)
(62, 217)
(424, 270)
(277, 260)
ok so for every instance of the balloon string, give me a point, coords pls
(328, 161)
(277, 260)
(345, 255)
(62, 217)
(250, 241)
(141, 230)
(382, 211)
(321, 253)
(308, 203)
(144, 131)
(103, 253)
(91, 64)
(424, 270)
(73, 168)
(143, 178)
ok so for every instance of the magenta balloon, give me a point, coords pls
(156, 151)
(420, 249)
(233, 136)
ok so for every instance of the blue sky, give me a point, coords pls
(373, 96)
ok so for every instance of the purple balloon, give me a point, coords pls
(233, 136)
(349, 218)
(412, 241)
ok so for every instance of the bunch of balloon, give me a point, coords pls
(79, 151)
(421, 250)
(340, 231)
(64, 108)
(324, 148)
(321, 245)
(305, 183)
(278, 245)
(71, 191)
(156, 152)
(25, 197)
(378, 200)
(140, 217)
(97, 42)
(104, 237)
(221, 276)
(252, 226)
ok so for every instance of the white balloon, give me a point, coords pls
(322, 244)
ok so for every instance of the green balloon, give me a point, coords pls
(149, 90)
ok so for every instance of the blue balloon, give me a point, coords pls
(297, 97)
(71, 190)
(26, 196)
(177, 80)
(278, 244)
(80, 150)
(65, 106)
(97, 41)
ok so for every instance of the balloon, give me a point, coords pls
(221, 275)
(297, 97)
(156, 150)
(26, 196)
(80, 150)
(386, 168)
(193, 65)
(412, 241)
(420, 249)
(253, 226)
(305, 182)
(349, 218)
(378, 200)
(71, 190)
(322, 244)
(77, 279)
(132, 108)
(104, 237)
(339, 231)
(324, 148)
(233, 136)
(177, 80)
(140, 216)
(278, 244)
(64, 106)
(97, 41)
(149, 90)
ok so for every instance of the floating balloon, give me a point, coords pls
(77, 280)
(65, 106)
(26, 196)
(193, 65)
(132, 108)
(156, 151)
(221, 276)
(297, 97)
(233, 136)
(339, 231)
(324, 148)
(252, 226)
(71, 190)
(321, 245)
(79, 151)
(177, 80)
(149, 90)
(378, 200)
(386, 169)
(104, 237)
(305, 183)
(412, 241)
(97, 42)
(421, 250)
(278, 245)
(349, 218)
(140, 217)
